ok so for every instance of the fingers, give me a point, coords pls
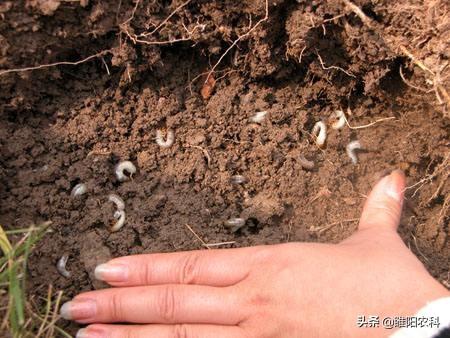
(208, 267)
(160, 331)
(162, 304)
(383, 207)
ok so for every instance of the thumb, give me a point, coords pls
(383, 207)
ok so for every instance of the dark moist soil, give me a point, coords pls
(70, 124)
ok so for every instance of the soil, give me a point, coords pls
(67, 124)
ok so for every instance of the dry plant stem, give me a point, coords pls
(320, 230)
(438, 88)
(219, 244)
(197, 236)
(25, 69)
(55, 315)
(50, 326)
(266, 16)
(368, 125)
(47, 311)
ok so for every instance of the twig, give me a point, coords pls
(266, 16)
(18, 70)
(198, 237)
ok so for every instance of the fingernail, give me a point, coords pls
(111, 272)
(83, 334)
(78, 309)
(393, 185)
(90, 333)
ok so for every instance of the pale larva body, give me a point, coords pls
(123, 166)
(238, 179)
(235, 223)
(340, 123)
(258, 117)
(120, 215)
(305, 163)
(320, 131)
(351, 150)
(120, 204)
(78, 190)
(168, 142)
(61, 266)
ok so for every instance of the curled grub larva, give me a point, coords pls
(78, 190)
(160, 139)
(306, 164)
(123, 166)
(238, 179)
(61, 266)
(340, 116)
(320, 131)
(258, 117)
(351, 148)
(120, 216)
(120, 204)
(235, 223)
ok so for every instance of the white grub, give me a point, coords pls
(61, 266)
(78, 190)
(340, 123)
(120, 215)
(305, 163)
(120, 204)
(351, 150)
(123, 166)
(320, 131)
(258, 117)
(168, 142)
(238, 179)
(235, 223)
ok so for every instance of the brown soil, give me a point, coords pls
(67, 124)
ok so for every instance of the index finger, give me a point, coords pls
(223, 267)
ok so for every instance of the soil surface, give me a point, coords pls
(202, 69)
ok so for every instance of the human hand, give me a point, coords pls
(287, 290)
